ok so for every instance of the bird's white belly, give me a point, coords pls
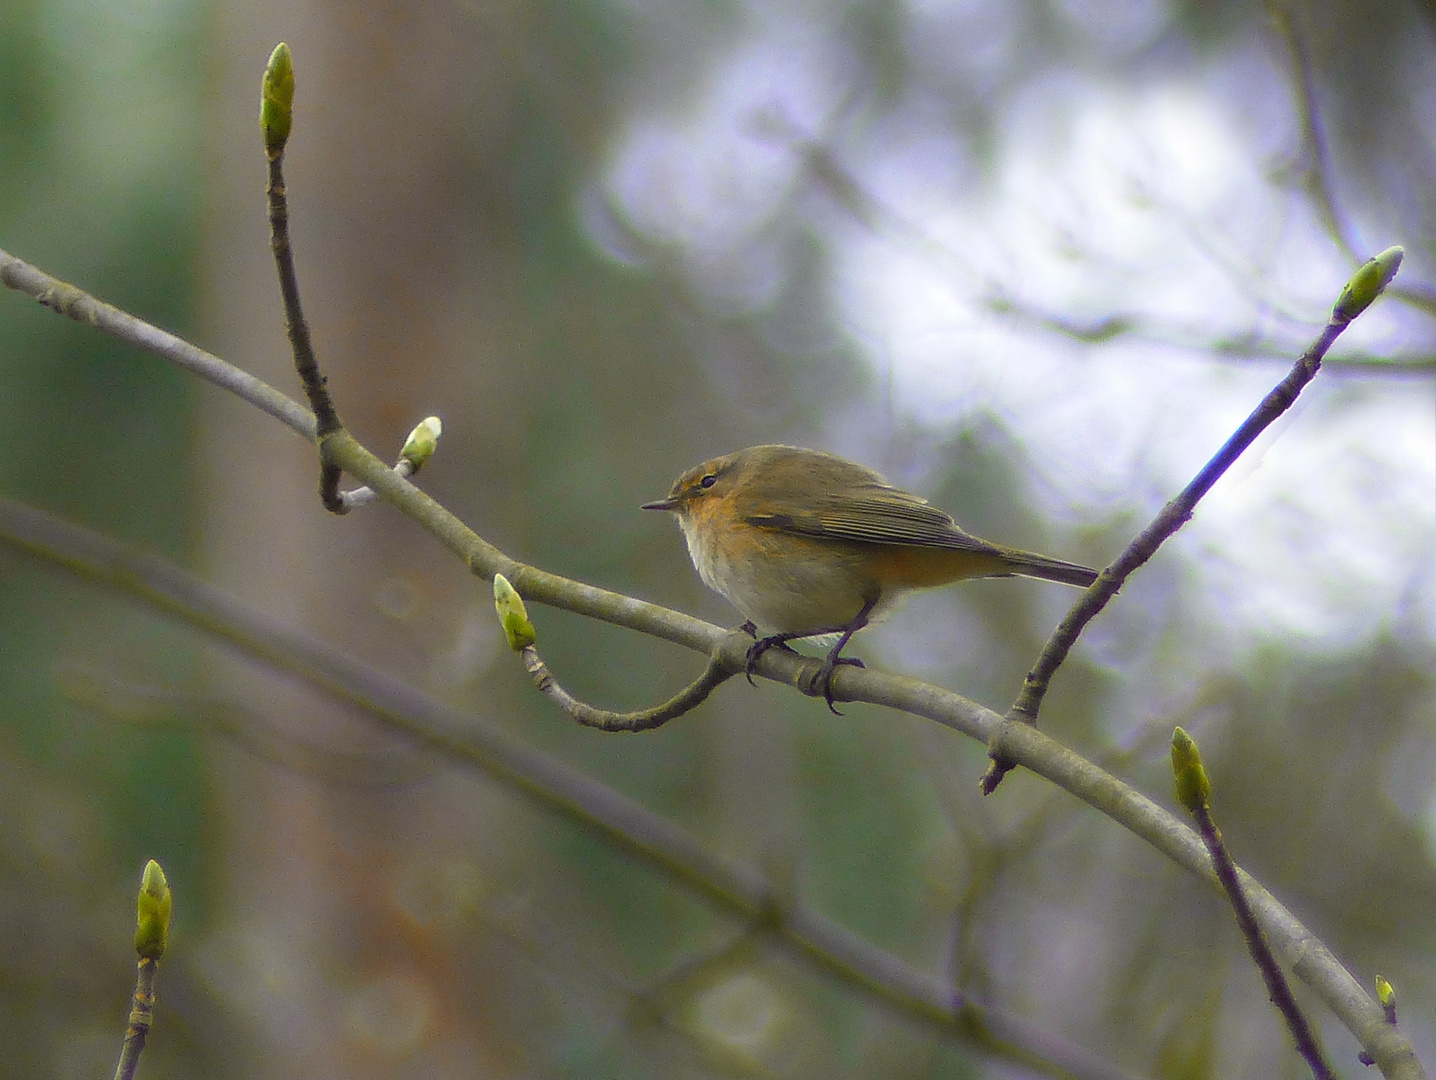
(780, 595)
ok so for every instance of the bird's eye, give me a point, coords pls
(708, 481)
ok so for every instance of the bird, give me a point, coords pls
(809, 545)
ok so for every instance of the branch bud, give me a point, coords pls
(152, 928)
(422, 442)
(513, 616)
(276, 100)
(1367, 284)
(1386, 994)
(1194, 790)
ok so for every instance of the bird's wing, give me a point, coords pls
(873, 513)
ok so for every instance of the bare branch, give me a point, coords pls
(1364, 287)
(1318, 179)
(657, 841)
(686, 700)
(1194, 792)
(628, 826)
(64, 299)
(276, 112)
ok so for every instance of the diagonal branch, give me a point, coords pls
(1172, 517)
(1363, 288)
(626, 825)
(1194, 792)
(454, 734)
(64, 299)
(1318, 179)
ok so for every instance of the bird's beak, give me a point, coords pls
(661, 504)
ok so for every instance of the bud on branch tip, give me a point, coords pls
(276, 101)
(1194, 790)
(419, 447)
(153, 925)
(1367, 284)
(513, 616)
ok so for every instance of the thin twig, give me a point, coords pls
(138, 1029)
(306, 364)
(364, 496)
(1172, 517)
(1277, 987)
(153, 909)
(1318, 172)
(687, 699)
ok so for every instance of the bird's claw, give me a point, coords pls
(821, 684)
(758, 648)
(822, 681)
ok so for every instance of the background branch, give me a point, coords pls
(1318, 175)
(466, 740)
(1313, 962)
(646, 835)
(1015, 244)
(1179, 510)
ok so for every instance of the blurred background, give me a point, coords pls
(1032, 258)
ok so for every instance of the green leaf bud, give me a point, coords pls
(276, 101)
(513, 616)
(419, 447)
(1369, 281)
(153, 926)
(1194, 790)
(1386, 994)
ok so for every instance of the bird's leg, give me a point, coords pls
(823, 680)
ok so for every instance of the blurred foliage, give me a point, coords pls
(467, 247)
(95, 432)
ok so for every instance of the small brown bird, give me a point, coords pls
(807, 545)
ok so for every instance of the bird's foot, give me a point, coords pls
(759, 647)
(822, 682)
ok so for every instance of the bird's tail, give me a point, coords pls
(1028, 564)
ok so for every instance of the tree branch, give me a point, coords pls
(64, 299)
(276, 116)
(1318, 172)
(1194, 792)
(685, 701)
(453, 733)
(1364, 287)
(617, 820)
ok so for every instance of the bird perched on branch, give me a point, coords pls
(810, 545)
